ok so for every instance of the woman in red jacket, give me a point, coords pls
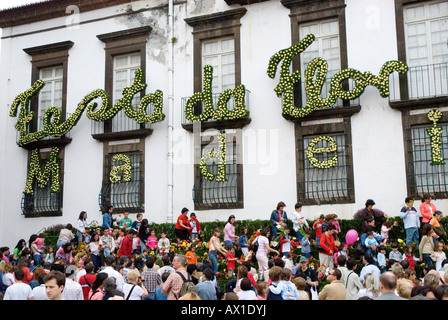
(427, 208)
(327, 247)
(126, 244)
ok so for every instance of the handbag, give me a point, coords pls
(314, 294)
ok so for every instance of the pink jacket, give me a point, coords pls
(426, 212)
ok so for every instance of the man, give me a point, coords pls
(19, 290)
(369, 267)
(151, 279)
(335, 290)
(54, 285)
(87, 279)
(307, 273)
(167, 266)
(206, 289)
(173, 284)
(388, 284)
(72, 289)
(327, 247)
(341, 261)
(111, 272)
(39, 292)
(411, 221)
(126, 244)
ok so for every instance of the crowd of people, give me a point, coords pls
(263, 269)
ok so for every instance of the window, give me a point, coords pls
(330, 185)
(125, 52)
(326, 45)
(123, 76)
(220, 194)
(43, 202)
(422, 177)
(422, 30)
(51, 94)
(124, 195)
(220, 54)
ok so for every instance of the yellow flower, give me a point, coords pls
(400, 241)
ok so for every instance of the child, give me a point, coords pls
(371, 244)
(163, 244)
(395, 254)
(317, 226)
(306, 245)
(195, 226)
(285, 242)
(191, 255)
(286, 288)
(439, 255)
(142, 260)
(152, 241)
(288, 261)
(426, 246)
(408, 254)
(343, 247)
(385, 228)
(381, 258)
(137, 223)
(49, 256)
(243, 242)
(231, 260)
(125, 222)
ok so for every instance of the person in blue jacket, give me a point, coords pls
(107, 217)
(278, 216)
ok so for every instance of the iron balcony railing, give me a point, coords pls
(119, 123)
(199, 108)
(419, 82)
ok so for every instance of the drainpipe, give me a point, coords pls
(170, 108)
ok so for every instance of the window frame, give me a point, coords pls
(233, 136)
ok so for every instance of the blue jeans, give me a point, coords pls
(213, 255)
(427, 259)
(228, 243)
(412, 235)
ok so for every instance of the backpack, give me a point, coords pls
(188, 286)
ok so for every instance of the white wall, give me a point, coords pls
(268, 147)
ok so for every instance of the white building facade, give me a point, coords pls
(382, 146)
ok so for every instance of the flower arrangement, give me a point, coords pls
(206, 97)
(126, 168)
(51, 119)
(220, 154)
(51, 171)
(311, 151)
(315, 77)
(435, 134)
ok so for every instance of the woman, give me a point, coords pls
(81, 225)
(436, 225)
(134, 289)
(107, 218)
(65, 235)
(182, 230)
(143, 234)
(278, 217)
(370, 287)
(94, 249)
(214, 248)
(263, 251)
(369, 213)
(18, 250)
(65, 251)
(327, 247)
(96, 290)
(427, 208)
(229, 232)
(23, 264)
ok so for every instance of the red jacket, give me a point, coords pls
(327, 244)
(126, 247)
